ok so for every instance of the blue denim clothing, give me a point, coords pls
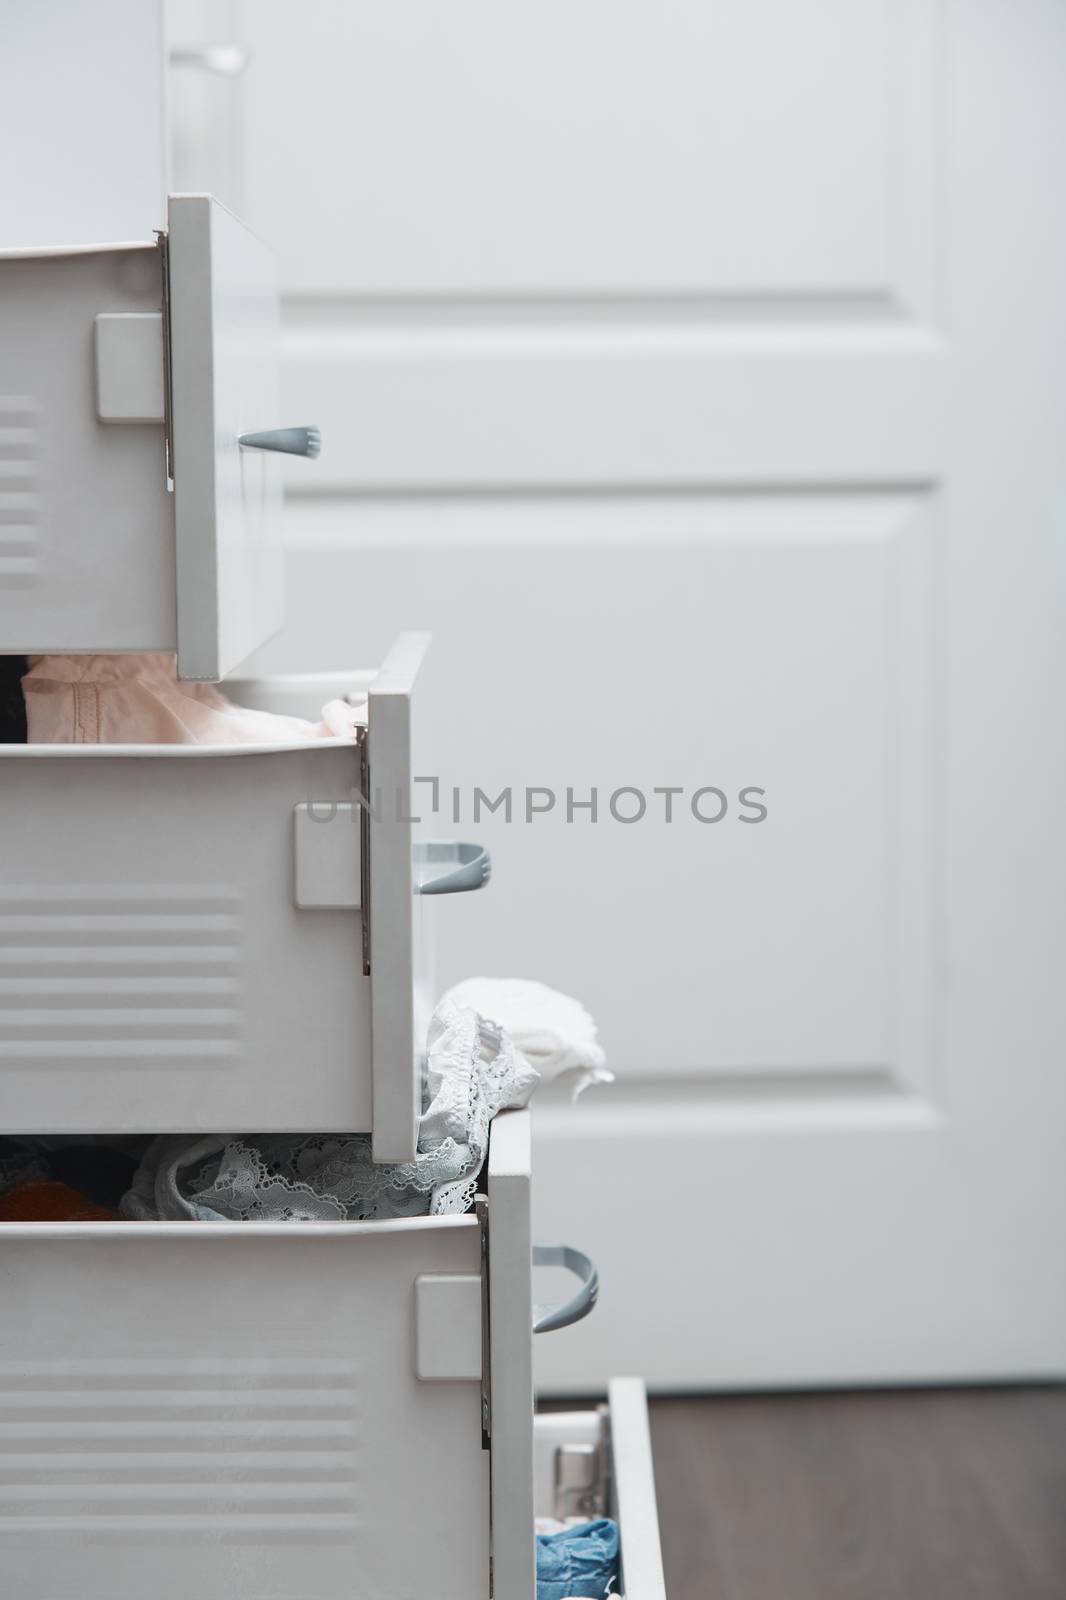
(581, 1563)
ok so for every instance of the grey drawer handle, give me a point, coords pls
(291, 441)
(447, 866)
(548, 1318)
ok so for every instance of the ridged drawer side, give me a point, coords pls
(141, 974)
(20, 540)
(223, 1448)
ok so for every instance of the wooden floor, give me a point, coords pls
(936, 1495)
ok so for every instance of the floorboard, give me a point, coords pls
(900, 1495)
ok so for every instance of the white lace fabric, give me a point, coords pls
(473, 1071)
(553, 1031)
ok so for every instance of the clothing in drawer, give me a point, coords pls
(134, 518)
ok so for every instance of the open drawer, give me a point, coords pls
(258, 1411)
(599, 1464)
(201, 938)
(564, 1464)
(134, 516)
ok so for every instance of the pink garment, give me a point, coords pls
(137, 699)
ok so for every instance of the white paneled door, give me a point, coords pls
(697, 375)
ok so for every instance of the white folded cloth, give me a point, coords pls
(553, 1031)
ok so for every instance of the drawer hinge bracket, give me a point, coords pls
(481, 1211)
(168, 407)
(364, 845)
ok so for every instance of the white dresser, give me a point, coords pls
(210, 938)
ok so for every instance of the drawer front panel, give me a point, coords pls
(223, 350)
(511, 1353)
(400, 974)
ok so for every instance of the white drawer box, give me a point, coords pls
(234, 1411)
(119, 364)
(208, 938)
(599, 1463)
